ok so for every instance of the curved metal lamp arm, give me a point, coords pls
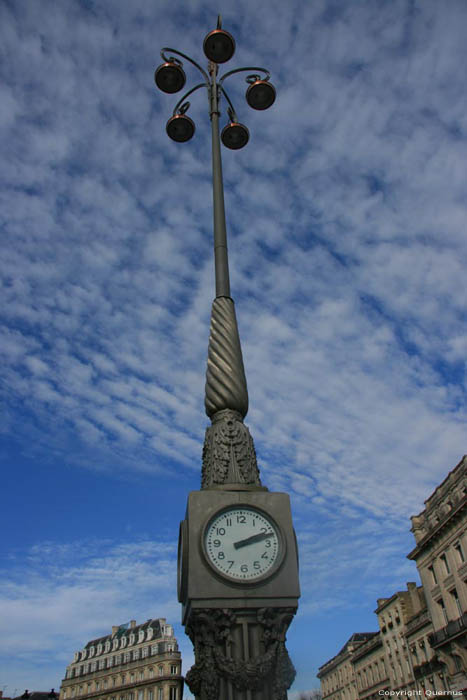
(230, 103)
(179, 53)
(240, 70)
(182, 99)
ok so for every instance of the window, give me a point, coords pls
(172, 693)
(114, 682)
(456, 601)
(141, 636)
(151, 672)
(141, 675)
(161, 670)
(444, 559)
(140, 694)
(459, 552)
(173, 669)
(126, 656)
(150, 694)
(154, 648)
(432, 571)
(132, 677)
(159, 694)
(105, 683)
(145, 652)
(98, 685)
(443, 610)
(136, 654)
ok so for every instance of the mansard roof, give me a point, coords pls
(126, 630)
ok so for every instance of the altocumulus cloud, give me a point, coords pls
(346, 217)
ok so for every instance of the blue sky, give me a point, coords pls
(346, 216)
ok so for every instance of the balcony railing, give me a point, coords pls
(452, 629)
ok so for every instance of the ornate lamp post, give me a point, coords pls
(237, 559)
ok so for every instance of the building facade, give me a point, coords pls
(371, 669)
(440, 554)
(337, 675)
(133, 662)
(422, 640)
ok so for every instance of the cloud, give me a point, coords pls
(346, 232)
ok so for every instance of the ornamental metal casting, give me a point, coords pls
(268, 674)
(229, 455)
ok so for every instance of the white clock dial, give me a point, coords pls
(243, 544)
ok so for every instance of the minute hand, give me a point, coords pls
(252, 539)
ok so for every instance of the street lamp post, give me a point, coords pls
(237, 556)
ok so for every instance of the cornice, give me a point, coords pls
(442, 525)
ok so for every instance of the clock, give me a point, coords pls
(243, 544)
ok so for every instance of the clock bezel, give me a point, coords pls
(280, 536)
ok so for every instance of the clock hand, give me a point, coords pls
(252, 539)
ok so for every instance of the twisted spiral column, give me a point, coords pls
(225, 377)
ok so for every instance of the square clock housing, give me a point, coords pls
(237, 549)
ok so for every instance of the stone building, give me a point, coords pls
(370, 669)
(337, 675)
(422, 642)
(440, 556)
(393, 615)
(133, 662)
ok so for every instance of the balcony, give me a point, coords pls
(452, 629)
(429, 667)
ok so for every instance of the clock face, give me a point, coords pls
(243, 544)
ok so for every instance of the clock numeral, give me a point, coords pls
(244, 568)
(266, 544)
(263, 529)
(241, 519)
(228, 521)
(254, 522)
(230, 563)
(220, 555)
(256, 565)
(265, 555)
(220, 530)
(217, 543)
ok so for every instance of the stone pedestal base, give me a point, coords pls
(240, 654)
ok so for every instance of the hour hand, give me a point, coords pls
(254, 538)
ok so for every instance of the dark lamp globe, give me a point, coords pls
(219, 46)
(235, 136)
(260, 94)
(180, 128)
(170, 77)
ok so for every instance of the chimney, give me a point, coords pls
(133, 624)
(114, 629)
(414, 597)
